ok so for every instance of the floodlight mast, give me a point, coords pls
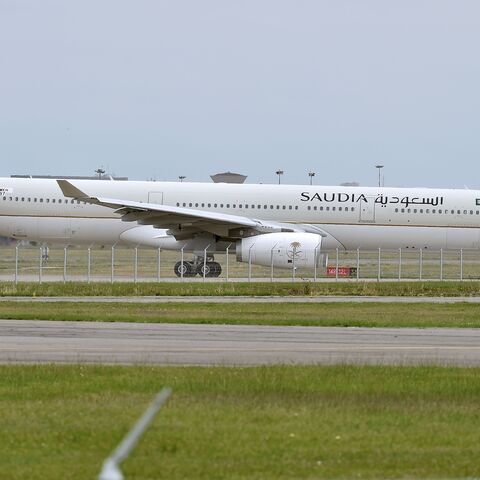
(111, 466)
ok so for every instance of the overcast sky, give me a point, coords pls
(158, 89)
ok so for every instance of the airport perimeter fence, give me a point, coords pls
(27, 263)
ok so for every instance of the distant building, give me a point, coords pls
(350, 184)
(228, 177)
(72, 177)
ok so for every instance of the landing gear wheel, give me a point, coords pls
(187, 268)
(212, 269)
(215, 269)
(205, 268)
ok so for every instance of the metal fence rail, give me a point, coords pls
(21, 263)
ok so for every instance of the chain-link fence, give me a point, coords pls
(22, 263)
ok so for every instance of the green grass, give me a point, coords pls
(60, 422)
(431, 288)
(311, 314)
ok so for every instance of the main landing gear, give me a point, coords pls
(198, 267)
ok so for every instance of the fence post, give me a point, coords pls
(16, 264)
(315, 259)
(65, 264)
(336, 264)
(399, 264)
(441, 264)
(379, 264)
(135, 272)
(40, 265)
(112, 275)
(182, 264)
(159, 259)
(461, 264)
(358, 264)
(226, 259)
(89, 258)
(250, 262)
(293, 263)
(420, 272)
(271, 262)
(205, 261)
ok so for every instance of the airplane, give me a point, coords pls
(287, 225)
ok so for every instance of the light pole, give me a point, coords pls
(182, 178)
(311, 175)
(279, 173)
(379, 167)
(100, 171)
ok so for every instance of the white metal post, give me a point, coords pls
(135, 272)
(379, 264)
(461, 264)
(336, 264)
(89, 258)
(182, 264)
(111, 466)
(16, 264)
(441, 264)
(159, 260)
(358, 264)
(420, 273)
(250, 262)
(205, 260)
(226, 259)
(271, 262)
(40, 266)
(315, 259)
(399, 264)
(293, 263)
(65, 264)
(112, 277)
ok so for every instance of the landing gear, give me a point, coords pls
(187, 269)
(211, 269)
(190, 269)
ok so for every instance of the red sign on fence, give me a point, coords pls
(342, 271)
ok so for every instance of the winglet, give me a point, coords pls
(71, 191)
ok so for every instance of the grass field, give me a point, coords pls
(311, 314)
(60, 422)
(430, 288)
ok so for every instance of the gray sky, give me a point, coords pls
(156, 89)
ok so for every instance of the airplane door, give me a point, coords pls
(367, 210)
(155, 197)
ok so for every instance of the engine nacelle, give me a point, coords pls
(284, 250)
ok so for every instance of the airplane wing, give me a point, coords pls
(181, 221)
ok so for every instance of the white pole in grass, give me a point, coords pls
(271, 262)
(135, 272)
(336, 264)
(205, 261)
(65, 264)
(420, 273)
(250, 262)
(16, 264)
(441, 264)
(379, 272)
(89, 258)
(461, 264)
(159, 259)
(111, 466)
(358, 264)
(182, 264)
(226, 258)
(315, 260)
(113, 264)
(40, 265)
(399, 264)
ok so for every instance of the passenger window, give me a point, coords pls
(333, 209)
(396, 210)
(309, 207)
(289, 207)
(209, 205)
(296, 207)
(321, 208)
(265, 207)
(41, 200)
(414, 210)
(196, 205)
(53, 200)
(16, 199)
(315, 207)
(327, 208)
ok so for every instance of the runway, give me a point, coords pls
(34, 341)
(244, 299)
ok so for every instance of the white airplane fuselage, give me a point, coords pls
(350, 217)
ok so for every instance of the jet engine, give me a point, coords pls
(284, 250)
